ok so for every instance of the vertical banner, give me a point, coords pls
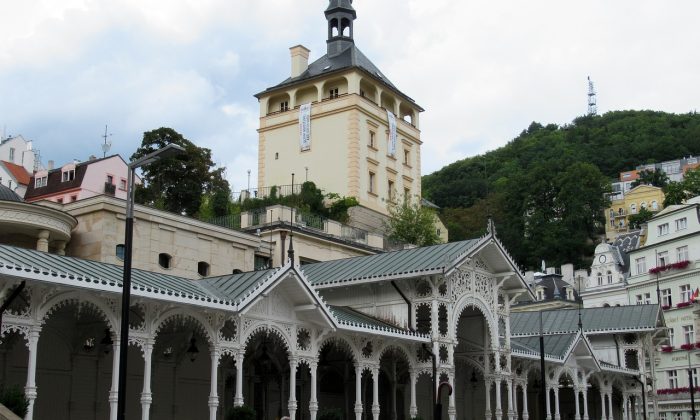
(392, 133)
(305, 127)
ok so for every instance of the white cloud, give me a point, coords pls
(482, 70)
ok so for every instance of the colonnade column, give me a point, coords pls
(548, 407)
(393, 414)
(610, 408)
(602, 405)
(42, 242)
(375, 393)
(413, 410)
(625, 407)
(526, 414)
(113, 393)
(577, 403)
(452, 409)
(499, 410)
(313, 400)
(358, 392)
(511, 400)
(585, 403)
(213, 379)
(487, 413)
(292, 406)
(30, 390)
(238, 399)
(557, 415)
(146, 395)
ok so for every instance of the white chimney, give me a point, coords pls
(50, 167)
(300, 59)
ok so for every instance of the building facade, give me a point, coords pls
(354, 109)
(617, 215)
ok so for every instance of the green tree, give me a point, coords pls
(178, 184)
(653, 178)
(637, 220)
(413, 224)
(674, 193)
(691, 182)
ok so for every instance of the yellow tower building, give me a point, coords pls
(341, 122)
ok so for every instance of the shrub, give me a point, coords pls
(241, 413)
(14, 399)
(330, 414)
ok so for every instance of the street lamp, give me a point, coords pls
(167, 151)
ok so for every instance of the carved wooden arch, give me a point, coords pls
(109, 315)
(271, 328)
(335, 338)
(166, 316)
(399, 348)
(478, 303)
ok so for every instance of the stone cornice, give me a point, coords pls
(38, 217)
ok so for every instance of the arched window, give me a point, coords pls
(633, 208)
(643, 205)
(610, 277)
(654, 205)
(600, 279)
(203, 268)
(165, 260)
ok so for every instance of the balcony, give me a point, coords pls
(110, 188)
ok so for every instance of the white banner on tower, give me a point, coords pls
(305, 127)
(392, 133)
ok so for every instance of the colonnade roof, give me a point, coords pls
(614, 319)
(409, 262)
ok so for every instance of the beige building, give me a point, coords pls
(349, 148)
(617, 215)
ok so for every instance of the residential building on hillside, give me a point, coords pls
(15, 177)
(18, 159)
(617, 215)
(674, 169)
(361, 135)
(79, 180)
(665, 270)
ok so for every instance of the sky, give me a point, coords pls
(483, 70)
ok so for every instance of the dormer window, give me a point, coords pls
(333, 93)
(68, 175)
(569, 293)
(284, 106)
(40, 181)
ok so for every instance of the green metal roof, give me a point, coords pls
(417, 261)
(223, 290)
(555, 346)
(617, 318)
(353, 318)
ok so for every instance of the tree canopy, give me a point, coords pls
(678, 192)
(412, 223)
(546, 188)
(180, 184)
(653, 178)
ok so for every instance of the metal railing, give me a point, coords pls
(278, 190)
(231, 221)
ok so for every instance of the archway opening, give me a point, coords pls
(336, 379)
(266, 375)
(473, 340)
(394, 385)
(181, 370)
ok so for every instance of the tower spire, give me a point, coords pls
(592, 105)
(340, 16)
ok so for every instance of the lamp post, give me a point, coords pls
(167, 151)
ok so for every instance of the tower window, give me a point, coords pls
(390, 190)
(371, 183)
(12, 154)
(164, 260)
(333, 93)
(406, 157)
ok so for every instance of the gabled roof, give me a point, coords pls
(417, 261)
(348, 317)
(555, 346)
(18, 172)
(595, 320)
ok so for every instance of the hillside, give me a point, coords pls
(545, 188)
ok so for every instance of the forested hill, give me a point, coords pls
(545, 188)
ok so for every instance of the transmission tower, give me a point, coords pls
(592, 107)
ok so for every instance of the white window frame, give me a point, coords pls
(662, 259)
(671, 336)
(600, 279)
(688, 334)
(682, 223)
(666, 297)
(672, 376)
(610, 277)
(685, 292)
(641, 265)
(68, 175)
(682, 253)
(662, 229)
(12, 154)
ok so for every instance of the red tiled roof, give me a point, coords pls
(20, 174)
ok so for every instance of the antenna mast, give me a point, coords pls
(592, 106)
(107, 143)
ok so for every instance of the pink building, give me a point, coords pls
(79, 180)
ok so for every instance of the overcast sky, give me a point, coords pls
(483, 70)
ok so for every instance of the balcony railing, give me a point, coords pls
(110, 188)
